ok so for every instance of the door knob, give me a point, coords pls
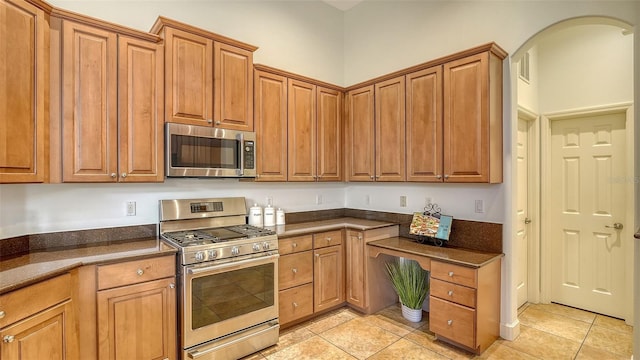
(617, 226)
(527, 221)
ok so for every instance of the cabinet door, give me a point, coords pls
(140, 106)
(271, 126)
(188, 78)
(302, 131)
(24, 67)
(233, 87)
(355, 246)
(360, 141)
(390, 130)
(46, 335)
(328, 278)
(138, 321)
(424, 125)
(329, 125)
(89, 120)
(466, 119)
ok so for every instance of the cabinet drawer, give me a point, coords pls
(295, 303)
(32, 299)
(329, 238)
(452, 321)
(133, 272)
(454, 273)
(295, 269)
(453, 292)
(295, 244)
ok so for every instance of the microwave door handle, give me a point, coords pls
(241, 154)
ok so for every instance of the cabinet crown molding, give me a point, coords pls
(163, 22)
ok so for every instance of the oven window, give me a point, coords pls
(199, 152)
(219, 297)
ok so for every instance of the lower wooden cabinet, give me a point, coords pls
(328, 273)
(138, 321)
(464, 305)
(37, 322)
(295, 303)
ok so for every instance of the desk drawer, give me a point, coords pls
(295, 244)
(454, 273)
(452, 321)
(134, 272)
(457, 293)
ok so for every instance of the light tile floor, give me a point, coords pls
(547, 332)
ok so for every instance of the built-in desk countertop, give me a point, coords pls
(424, 253)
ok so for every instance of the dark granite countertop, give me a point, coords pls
(465, 257)
(289, 230)
(39, 265)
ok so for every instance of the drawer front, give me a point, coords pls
(133, 272)
(295, 244)
(329, 238)
(22, 303)
(452, 321)
(295, 269)
(454, 273)
(453, 292)
(295, 303)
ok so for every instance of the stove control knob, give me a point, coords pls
(256, 247)
(212, 254)
(265, 245)
(200, 256)
(235, 251)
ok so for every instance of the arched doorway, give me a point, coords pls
(563, 88)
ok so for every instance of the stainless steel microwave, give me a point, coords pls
(202, 151)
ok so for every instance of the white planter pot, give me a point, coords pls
(413, 315)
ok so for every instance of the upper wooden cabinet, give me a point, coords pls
(209, 79)
(111, 122)
(271, 126)
(24, 92)
(301, 118)
(473, 119)
(452, 111)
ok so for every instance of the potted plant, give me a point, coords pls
(411, 284)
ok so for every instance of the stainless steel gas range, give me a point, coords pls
(228, 278)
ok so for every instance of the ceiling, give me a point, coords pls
(343, 5)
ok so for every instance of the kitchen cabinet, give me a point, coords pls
(472, 130)
(112, 90)
(424, 125)
(295, 278)
(361, 290)
(37, 322)
(328, 270)
(330, 133)
(24, 91)
(136, 309)
(271, 126)
(360, 135)
(464, 304)
(209, 80)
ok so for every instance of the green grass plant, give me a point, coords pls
(410, 282)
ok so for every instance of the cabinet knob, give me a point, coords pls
(438, 176)
(294, 245)
(123, 175)
(172, 286)
(372, 177)
(294, 270)
(446, 176)
(317, 255)
(8, 338)
(139, 272)
(328, 239)
(113, 175)
(449, 322)
(2, 314)
(450, 273)
(295, 304)
(359, 237)
(209, 121)
(450, 293)
(218, 122)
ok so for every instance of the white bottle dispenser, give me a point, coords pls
(255, 215)
(279, 216)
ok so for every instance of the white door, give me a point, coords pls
(587, 199)
(522, 213)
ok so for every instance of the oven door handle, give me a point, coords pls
(196, 271)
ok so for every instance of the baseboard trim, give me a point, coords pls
(510, 331)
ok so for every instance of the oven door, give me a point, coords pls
(221, 299)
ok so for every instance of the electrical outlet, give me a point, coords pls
(403, 201)
(131, 208)
(318, 199)
(479, 206)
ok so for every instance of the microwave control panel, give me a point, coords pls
(249, 154)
